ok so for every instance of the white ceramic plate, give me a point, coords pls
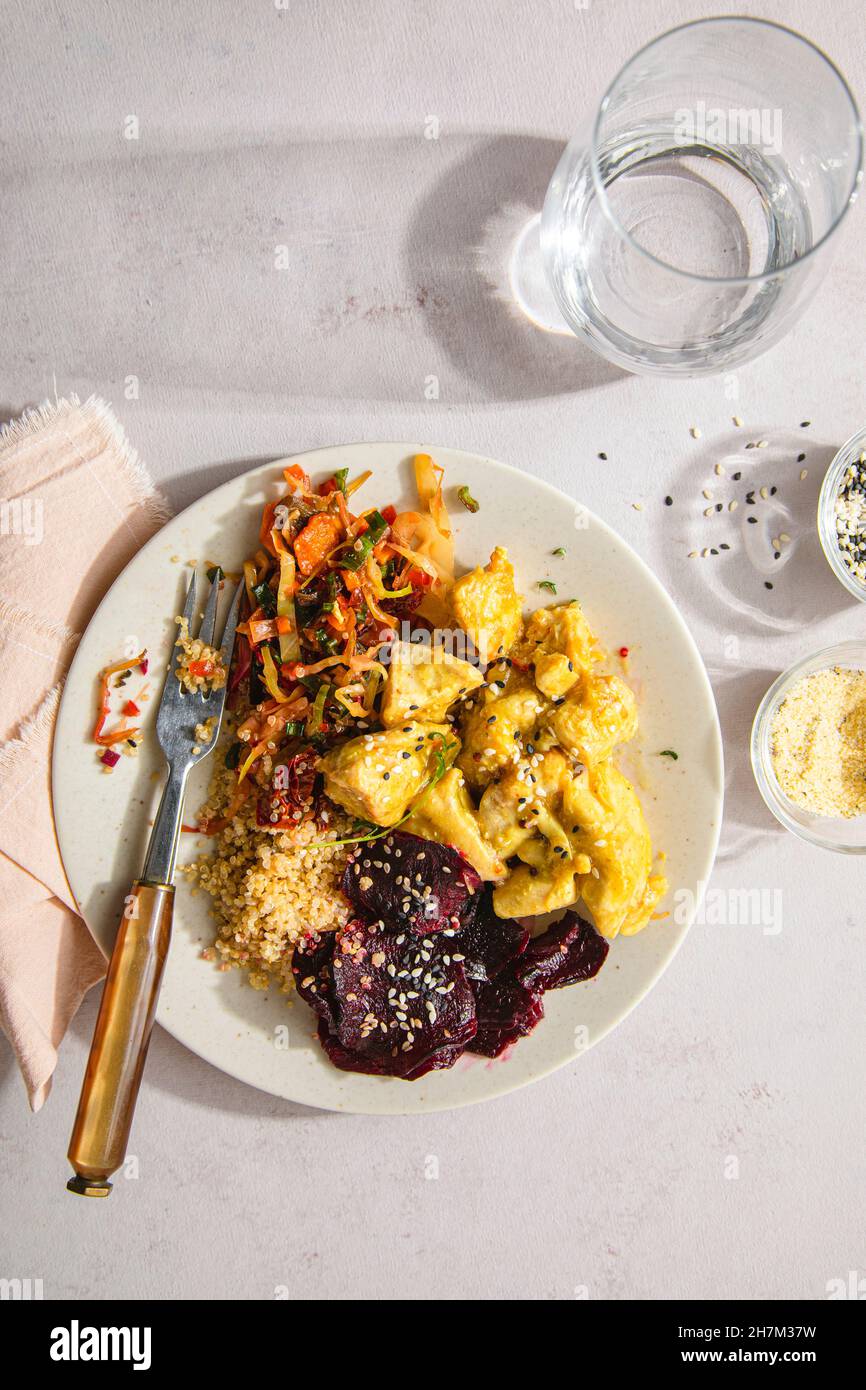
(103, 821)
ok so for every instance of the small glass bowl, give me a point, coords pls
(849, 453)
(829, 832)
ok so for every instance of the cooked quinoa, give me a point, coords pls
(195, 652)
(270, 889)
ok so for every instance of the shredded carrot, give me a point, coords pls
(126, 731)
(296, 478)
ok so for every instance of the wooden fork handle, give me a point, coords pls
(119, 1048)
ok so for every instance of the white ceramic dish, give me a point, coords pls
(827, 832)
(103, 821)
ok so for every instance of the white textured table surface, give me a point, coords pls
(714, 1144)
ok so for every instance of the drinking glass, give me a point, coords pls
(687, 227)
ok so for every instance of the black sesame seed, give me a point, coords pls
(801, 458)
(752, 520)
(718, 506)
(773, 491)
(777, 554)
(669, 501)
(804, 424)
(724, 546)
(603, 457)
(713, 552)
(736, 477)
(767, 584)
(386, 776)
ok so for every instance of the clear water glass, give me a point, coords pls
(685, 230)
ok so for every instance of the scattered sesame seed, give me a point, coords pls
(695, 432)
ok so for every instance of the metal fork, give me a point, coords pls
(129, 998)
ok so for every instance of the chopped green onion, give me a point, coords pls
(669, 753)
(549, 585)
(468, 501)
(341, 478)
(357, 557)
(559, 551)
(377, 526)
(266, 599)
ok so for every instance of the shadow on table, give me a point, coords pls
(464, 231)
(172, 1068)
(344, 269)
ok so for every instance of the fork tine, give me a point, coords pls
(208, 622)
(189, 606)
(228, 638)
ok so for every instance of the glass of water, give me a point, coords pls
(684, 232)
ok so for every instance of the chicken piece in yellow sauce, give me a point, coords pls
(537, 743)
(487, 606)
(376, 776)
(447, 815)
(424, 682)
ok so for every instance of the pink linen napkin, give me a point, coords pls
(75, 506)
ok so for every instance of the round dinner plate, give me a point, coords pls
(103, 820)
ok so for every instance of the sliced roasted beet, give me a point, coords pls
(347, 1060)
(399, 1000)
(507, 1010)
(411, 882)
(311, 967)
(569, 951)
(489, 942)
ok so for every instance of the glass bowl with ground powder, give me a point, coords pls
(842, 515)
(809, 748)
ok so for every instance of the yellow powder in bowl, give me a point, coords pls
(818, 743)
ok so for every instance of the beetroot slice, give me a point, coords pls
(411, 882)
(376, 971)
(507, 1010)
(311, 968)
(348, 1060)
(489, 942)
(569, 951)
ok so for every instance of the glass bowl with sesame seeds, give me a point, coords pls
(808, 748)
(842, 515)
